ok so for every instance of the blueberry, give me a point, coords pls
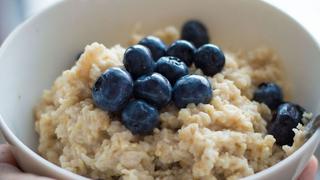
(210, 59)
(140, 117)
(112, 90)
(191, 89)
(155, 45)
(154, 88)
(78, 56)
(183, 50)
(269, 94)
(195, 32)
(286, 118)
(138, 61)
(172, 68)
(301, 111)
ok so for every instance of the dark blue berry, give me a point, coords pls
(112, 90)
(172, 68)
(183, 50)
(286, 118)
(191, 89)
(138, 61)
(269, 94)
(195, 32)
(210, 59)
(301, 110)
(155, 45)
(154, 88)
(140, 117)
(78, 56)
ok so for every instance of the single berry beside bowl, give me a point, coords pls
(195, 32)
(155, 45)
(191, 89)
(269, 94)
(286, 118)
(113, 89)
(154, 88)
(172, 68)
(183, 50)
(210, 59)
(138, 61)
(140, 117)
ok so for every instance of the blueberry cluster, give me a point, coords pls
(286, 115)
(155, 75)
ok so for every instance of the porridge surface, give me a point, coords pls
(225, 139)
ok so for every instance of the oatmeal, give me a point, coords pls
(223, 139)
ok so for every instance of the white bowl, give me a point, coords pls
(40, 49)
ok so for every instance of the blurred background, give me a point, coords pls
(13, 12)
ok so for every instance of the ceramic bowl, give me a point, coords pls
(40, 49)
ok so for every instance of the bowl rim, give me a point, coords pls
(16, 142)
(12, 139)
(9, 136)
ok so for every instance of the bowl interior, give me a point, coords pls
(42, 48)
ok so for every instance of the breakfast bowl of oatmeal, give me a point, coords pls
(143, 90)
